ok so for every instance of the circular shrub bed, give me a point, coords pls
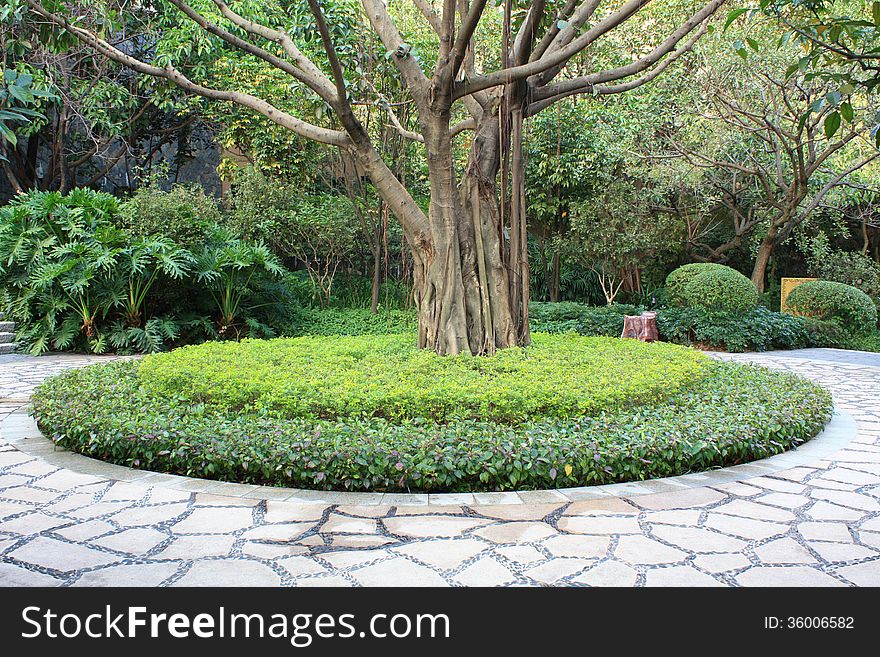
(711, 286)
(838, 302)
(133, 413)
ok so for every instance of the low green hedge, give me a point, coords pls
(352, 321)
(736, 413)
(711, 286)
(568, 316)
(838, 302)
(760, 329)
(387, 376)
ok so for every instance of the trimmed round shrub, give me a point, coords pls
(734, 414)
(387, 376)
(838, 302)
(711, 286)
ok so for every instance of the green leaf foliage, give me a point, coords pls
(711, 286)
(388, 376)
(838, 302)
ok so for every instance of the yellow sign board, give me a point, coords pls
(788, 284)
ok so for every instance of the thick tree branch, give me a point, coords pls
(588, 82)
(528, 32)
(256, 51)
(548, 95)
(469, 24)
(300, 127)
(555, 57)
(400, 51)
(286, 43)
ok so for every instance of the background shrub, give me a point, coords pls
(850, 267)
(352, 321)
(184, 214)
(838, 302)
(76, 279)
(757, 330)
(579, 318)
(711, 286)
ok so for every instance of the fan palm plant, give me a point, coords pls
(227, 264)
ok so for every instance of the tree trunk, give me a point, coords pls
(377, 281)
(762, 259)
(555, 285)
(462, 284)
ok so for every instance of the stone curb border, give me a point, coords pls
(20, 431)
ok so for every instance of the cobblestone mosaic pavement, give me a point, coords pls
(815, 525)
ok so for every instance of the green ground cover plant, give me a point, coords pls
(329, 377)
(731, 414)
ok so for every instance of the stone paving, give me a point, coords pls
(811, 525)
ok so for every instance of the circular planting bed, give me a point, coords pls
(373, 413)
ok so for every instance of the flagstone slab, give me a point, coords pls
(516, 532)
(862, 574)
(397, 572)
(517, 511)
(684, 499)
(521, 554)
(214, 521)
(784, 551)
(643, 550)
(786, 576)
(133, 541)
(838, 552)
(60, 555)
(428, 526)
(746, 528)
(600, 525)
(607, 573)
(722, 562)
(140, 574)
(135, 516)
(679, 576)
(698, 539)
(486, 571)
(592, 547)
(444, 554)
(187, 548)
(229, 572)
(15, 575)
(825, 531)
(555, 570)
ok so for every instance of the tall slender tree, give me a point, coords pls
(469, 248)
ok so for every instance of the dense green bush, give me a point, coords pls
(352, 321)
(184, 214)
(75, 279)
(387, 376)
(734, 414)
(757, 330)
(711, 286)
(848, 267)
(838, 302)
(579, 318)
